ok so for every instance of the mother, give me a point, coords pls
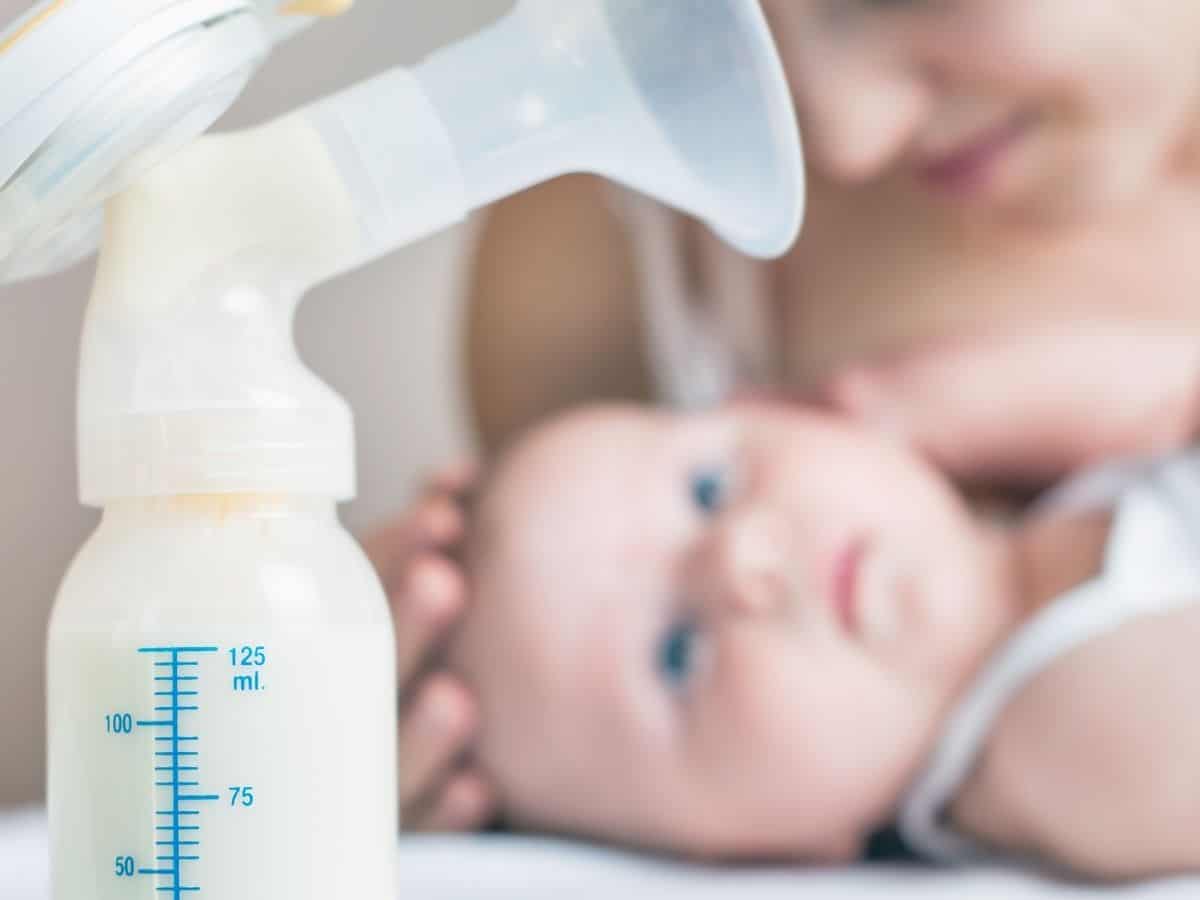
(998, 189)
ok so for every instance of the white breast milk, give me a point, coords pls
(222, 708)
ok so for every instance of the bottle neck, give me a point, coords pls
(218, 508)
(189, 379)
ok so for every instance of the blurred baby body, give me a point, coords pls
(765, 633)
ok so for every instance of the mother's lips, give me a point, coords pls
(970, 162)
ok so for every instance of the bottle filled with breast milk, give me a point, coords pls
(222, 695)
(222, 706)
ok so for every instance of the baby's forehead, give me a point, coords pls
(583, 511)
(583, 460)
(557, 520)
(595, 437)
(608, 486)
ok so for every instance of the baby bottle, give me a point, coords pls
(222, 695)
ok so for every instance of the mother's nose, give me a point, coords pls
(859, 114)
(741, 566)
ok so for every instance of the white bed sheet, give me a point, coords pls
(516, 868)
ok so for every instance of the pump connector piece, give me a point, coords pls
(190, 382)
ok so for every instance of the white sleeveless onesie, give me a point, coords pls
(1151, 565)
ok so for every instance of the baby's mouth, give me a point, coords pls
(864, 592)
(845, 588)
(878, 590)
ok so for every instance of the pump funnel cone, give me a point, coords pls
(684, 100)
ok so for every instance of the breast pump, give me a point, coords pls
(222, 703)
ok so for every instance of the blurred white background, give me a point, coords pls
(386, 337)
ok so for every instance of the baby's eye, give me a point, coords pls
(679, 654)
(710, 489)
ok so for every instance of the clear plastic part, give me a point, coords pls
(682, 101)
(135, 117)
(686, 102)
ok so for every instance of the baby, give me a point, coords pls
(764, 633)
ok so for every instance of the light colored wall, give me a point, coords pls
(385, 337)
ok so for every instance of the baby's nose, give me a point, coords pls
(750, 565)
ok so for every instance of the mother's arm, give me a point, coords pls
(554, 318)
(1030, 406)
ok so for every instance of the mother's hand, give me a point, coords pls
(438, 716)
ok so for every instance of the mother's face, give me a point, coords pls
(1011, 108)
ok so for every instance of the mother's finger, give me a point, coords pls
(425, 605)
(454, 478)
(435, 521)
(433, 733)
(466, 802)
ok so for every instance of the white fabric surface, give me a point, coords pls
(513, 868)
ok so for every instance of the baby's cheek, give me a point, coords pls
(757, 731)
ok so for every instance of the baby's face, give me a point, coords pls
(729, 635)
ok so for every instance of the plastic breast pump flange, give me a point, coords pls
(684, 101)
(93, 93)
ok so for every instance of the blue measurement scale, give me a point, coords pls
(216, 768)
(177, 827)
(176, 761)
